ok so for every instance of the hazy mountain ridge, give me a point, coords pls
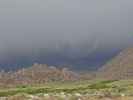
(120, 67)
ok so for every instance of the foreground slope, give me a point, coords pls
(81, 90)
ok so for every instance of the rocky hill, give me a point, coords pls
(120, 67)
(36, 74)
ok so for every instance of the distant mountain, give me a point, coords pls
(120, 67)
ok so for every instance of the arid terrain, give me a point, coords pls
(113, 81)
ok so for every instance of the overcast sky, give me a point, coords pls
(30, 24)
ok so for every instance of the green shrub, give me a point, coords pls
(98, 86)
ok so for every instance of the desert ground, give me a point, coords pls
(79, 90)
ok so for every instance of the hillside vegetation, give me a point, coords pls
(82, 90)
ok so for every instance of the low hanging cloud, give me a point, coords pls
(81, 25)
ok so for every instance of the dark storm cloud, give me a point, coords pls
(81, 25)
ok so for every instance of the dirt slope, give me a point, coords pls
(120, 67)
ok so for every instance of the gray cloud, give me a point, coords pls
(30, 24)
